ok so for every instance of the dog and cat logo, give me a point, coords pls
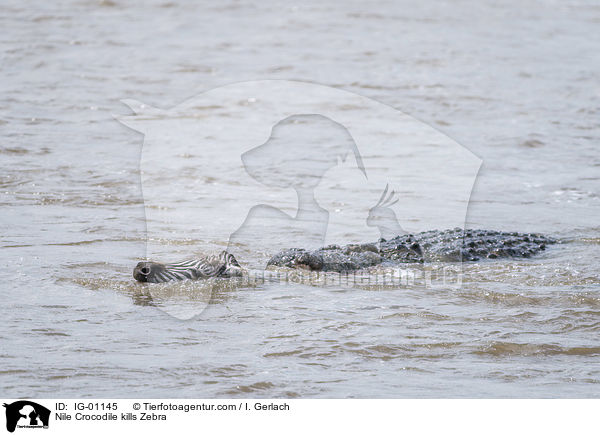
(26, 414)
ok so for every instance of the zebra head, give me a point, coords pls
(148, 271)
(222, 265)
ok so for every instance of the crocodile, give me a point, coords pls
(430, 246)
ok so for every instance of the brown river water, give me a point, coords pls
(516, 84)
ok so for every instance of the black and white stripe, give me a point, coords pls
(223, 264)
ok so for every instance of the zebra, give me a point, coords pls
(220, 265)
